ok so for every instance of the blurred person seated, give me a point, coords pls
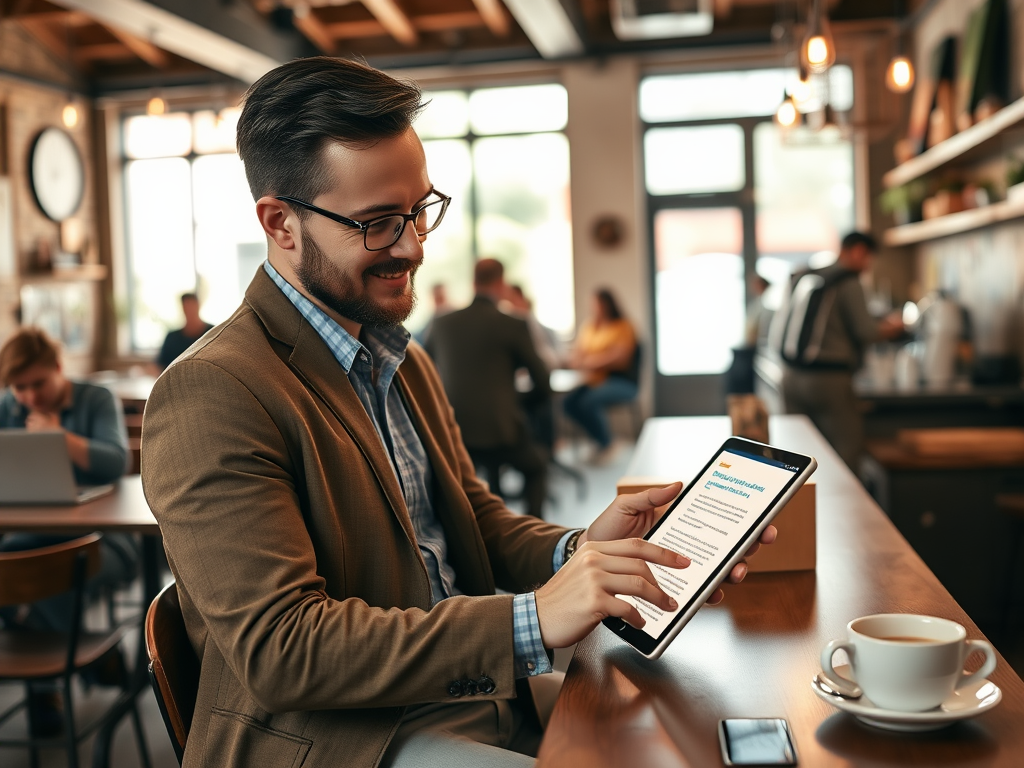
(478, 351)
(544, 339)
(39, 397)
(606, 353)
(177, 341)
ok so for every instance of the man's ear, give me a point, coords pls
(279, 221)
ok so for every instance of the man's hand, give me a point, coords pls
(567, 597)
(584, 590)
(631, 515)
(39, 421)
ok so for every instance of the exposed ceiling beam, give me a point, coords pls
(227, 37)
(547, 24)
(103, 51)
(494, 16)
(144, 49)
(309, 24)
(394, 20)
(55, 42)
(434, 22)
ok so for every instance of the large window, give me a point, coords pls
(502, 155)
(190, 221)
(499, 152)
(731, 195)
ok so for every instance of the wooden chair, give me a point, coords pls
(52, 656)
(173, 666)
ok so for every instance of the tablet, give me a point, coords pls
(714, 521)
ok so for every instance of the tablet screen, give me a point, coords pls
(709, 522)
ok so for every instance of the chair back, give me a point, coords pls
(173, 666)
(36, 574)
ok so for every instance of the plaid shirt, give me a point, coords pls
(371, 368)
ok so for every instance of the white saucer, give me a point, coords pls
(969, 701)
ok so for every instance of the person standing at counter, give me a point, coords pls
(821, 333)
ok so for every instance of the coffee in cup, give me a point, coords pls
(907, 662)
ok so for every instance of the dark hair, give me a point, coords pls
(854, 239)
(28, 346)
(292, 112)
(488, 272)
(611, 306)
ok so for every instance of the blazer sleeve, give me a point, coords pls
(219, 478)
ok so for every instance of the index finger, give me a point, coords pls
(641, 550)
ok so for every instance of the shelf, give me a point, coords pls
(86, 272)
(954, 223)
(977, 139)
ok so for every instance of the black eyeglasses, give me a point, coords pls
(384, 231)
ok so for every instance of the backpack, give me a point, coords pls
(799, 326)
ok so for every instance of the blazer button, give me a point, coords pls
(485, 685)
(455, 688)
(470, 687)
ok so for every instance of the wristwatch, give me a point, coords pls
(570, 545)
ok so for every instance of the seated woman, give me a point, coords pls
(605, 352)
(39, 397)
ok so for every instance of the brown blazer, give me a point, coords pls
(302, 588)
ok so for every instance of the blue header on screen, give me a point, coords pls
(765, 460)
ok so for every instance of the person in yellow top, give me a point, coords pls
(606, 353)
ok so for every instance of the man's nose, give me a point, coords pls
(409, 245)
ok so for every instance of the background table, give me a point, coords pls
(123, 511)
(754, 655)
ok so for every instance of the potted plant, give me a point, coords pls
(903, 203)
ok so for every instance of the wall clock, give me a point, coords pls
(56, 174)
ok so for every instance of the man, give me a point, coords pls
(478, 351)
(439, 297)
(177, 341)
(822, 332)
(335, 555)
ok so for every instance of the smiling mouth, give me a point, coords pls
(393, 269)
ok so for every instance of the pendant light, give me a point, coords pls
(818, 51)
(69, 115)
(156, 106)
(787, 115)
(899, 75)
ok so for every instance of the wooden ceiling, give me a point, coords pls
(388, 33)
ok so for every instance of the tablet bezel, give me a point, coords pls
(644, 642)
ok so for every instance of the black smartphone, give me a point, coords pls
(715, 520)
(761, 741)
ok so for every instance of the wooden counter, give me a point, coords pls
(754, 656)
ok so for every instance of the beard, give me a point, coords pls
(339, 292)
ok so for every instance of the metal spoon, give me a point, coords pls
(842, 691)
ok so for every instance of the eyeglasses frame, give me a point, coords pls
(364, 226)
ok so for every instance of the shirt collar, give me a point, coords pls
(389, 342)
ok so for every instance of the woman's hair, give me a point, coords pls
(29, 346)
(608, 302)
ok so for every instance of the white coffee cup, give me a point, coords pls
(907, 662)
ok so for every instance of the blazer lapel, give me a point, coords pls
(313, 362)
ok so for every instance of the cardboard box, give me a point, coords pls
(796, 547)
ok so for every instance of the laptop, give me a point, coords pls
(35, 468)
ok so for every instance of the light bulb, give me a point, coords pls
(786, 114)
(899, 77)
(70, 115)
(156, 106)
